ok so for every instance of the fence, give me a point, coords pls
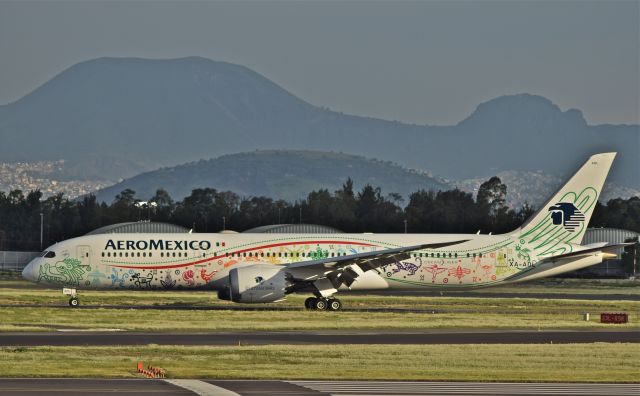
(15, 261)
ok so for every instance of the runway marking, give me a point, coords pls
(201, 388)
(89, 330)
(361, 388)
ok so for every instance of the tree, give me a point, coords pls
(492, 194)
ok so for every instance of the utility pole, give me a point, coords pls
(41, 228)
(300, 214)
(405, 226)
(635, 261)
(224, 223)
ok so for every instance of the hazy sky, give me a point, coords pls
(420, 62)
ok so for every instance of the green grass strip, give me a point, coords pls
(600, 362)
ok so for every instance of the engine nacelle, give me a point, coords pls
(259, 283)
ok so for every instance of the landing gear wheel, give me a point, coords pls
(74, 302)
(321, 304)
(309, 303)
(335, 304)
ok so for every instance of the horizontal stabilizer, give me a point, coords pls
(605, 249)
(565, 262)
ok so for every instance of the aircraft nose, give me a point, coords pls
(32, 270)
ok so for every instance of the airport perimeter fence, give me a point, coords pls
(15, 261)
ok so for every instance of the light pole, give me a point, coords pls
(150, 205)
(41, 228)
(140, 205)
(224, 223)
(405, 225)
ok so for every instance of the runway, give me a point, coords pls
(40, 386)
(476, 336)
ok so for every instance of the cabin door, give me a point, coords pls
(83, 253)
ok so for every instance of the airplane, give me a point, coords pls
(263, 268)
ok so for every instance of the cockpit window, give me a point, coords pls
(50, 254)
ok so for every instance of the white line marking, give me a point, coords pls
(362, 388)
(201, 388)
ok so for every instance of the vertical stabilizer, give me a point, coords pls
(563, 220)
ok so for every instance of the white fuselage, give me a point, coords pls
(185, 261)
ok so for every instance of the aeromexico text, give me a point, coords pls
(157, 244)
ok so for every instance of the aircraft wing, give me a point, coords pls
(330, 273)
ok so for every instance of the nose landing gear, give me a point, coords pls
(322, 304)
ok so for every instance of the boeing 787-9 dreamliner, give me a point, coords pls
(261, 268)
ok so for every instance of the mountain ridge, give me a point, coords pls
(153, 113)
(280, 174)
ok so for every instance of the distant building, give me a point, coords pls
(609, 268)
(293, 229)
(140, 227)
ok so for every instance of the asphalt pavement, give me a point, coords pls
(475, 336)
(73, 386)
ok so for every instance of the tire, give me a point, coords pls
(321, 304)
(309, 303)
(74, 302)
(335, 304)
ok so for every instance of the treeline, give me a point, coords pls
(209, 210)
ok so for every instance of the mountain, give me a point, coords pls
(142, 114)
(278, 174)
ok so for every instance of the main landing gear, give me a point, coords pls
(322, 304)
(74, 301)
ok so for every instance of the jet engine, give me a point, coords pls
(259, 283)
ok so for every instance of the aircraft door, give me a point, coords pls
(83, 253)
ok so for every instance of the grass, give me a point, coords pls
(25, 312)
(47, 319)
(600, 362)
